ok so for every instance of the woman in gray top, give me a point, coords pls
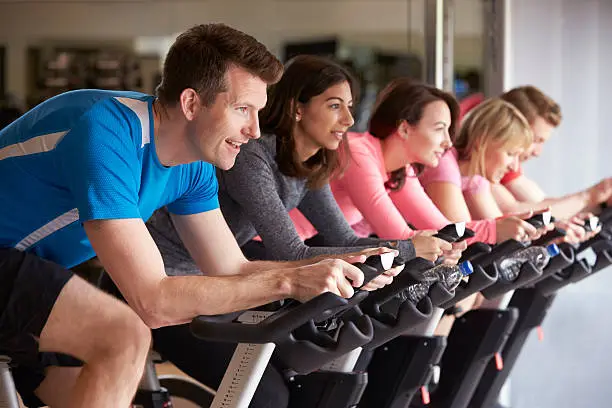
(305, 120)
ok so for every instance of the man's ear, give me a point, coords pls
(190, 103)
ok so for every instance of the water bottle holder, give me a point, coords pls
(528, 273)
(416, 267)
(474, 251)
(480, 279)
(606, 216)
(387, 297)
(600, 242)
(502, 250)
(573, 273)
(564, 259)
(305, 355)
(604, 259)
(439, 294)
(387, 326)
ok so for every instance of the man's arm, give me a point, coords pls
(132, 260)
(525, 189)
(508, 202)
(129, 255)
(523, 194)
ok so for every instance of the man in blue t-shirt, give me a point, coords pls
(80, 174)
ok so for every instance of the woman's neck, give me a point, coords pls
(394, 153)
(304, 147)
(465, 167)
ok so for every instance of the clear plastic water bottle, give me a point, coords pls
(509, 268)
(449, 277)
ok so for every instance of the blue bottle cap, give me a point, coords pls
(466, 268)
(553, 250)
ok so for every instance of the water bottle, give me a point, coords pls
(449, 277)
(510, 267)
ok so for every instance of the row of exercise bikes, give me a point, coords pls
(377, 349)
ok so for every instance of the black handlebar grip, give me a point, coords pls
(498, 252)
(466, 235)
(591, 224)
(540, 220)
(549, 237)
(381, 262)
(270, 329)
(376, 265)
(451, 232)
(474, 251)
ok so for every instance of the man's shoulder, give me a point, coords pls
(61, 113)
(83, 100)
(198, 171)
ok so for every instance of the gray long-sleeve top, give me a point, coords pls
(255, 198)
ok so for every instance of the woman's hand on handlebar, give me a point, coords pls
(515, 227)
(452, 257)
(429, 247)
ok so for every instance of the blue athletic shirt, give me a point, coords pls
(86, 155)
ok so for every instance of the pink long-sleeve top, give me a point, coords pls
(448, 171)
(366, 202)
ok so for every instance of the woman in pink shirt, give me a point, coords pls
(411, 127)
(487, 147)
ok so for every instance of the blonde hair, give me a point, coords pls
(494, 123)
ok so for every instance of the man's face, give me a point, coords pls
(217, 131)
(541, 133)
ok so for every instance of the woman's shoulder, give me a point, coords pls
(474, 184)
(447, 170)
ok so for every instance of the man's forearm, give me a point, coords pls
(568, 206)
(250, 267)
(181, 298)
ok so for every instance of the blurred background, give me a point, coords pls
(465, 46)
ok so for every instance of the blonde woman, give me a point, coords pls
(488, 145)
(517, 192)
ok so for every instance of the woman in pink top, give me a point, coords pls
(410, 129)
(488, 145)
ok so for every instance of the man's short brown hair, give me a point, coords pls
(532, 103)
(201, 56)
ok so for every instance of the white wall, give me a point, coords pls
(271, 21)
(563, 47)
(564, 57)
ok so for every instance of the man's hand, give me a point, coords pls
(429, 247)
(329, 275)
(383, 280)
(357, 256)
(575, 232)
(601, 192)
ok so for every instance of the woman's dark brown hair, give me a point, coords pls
(305, 77)
(406, 99)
